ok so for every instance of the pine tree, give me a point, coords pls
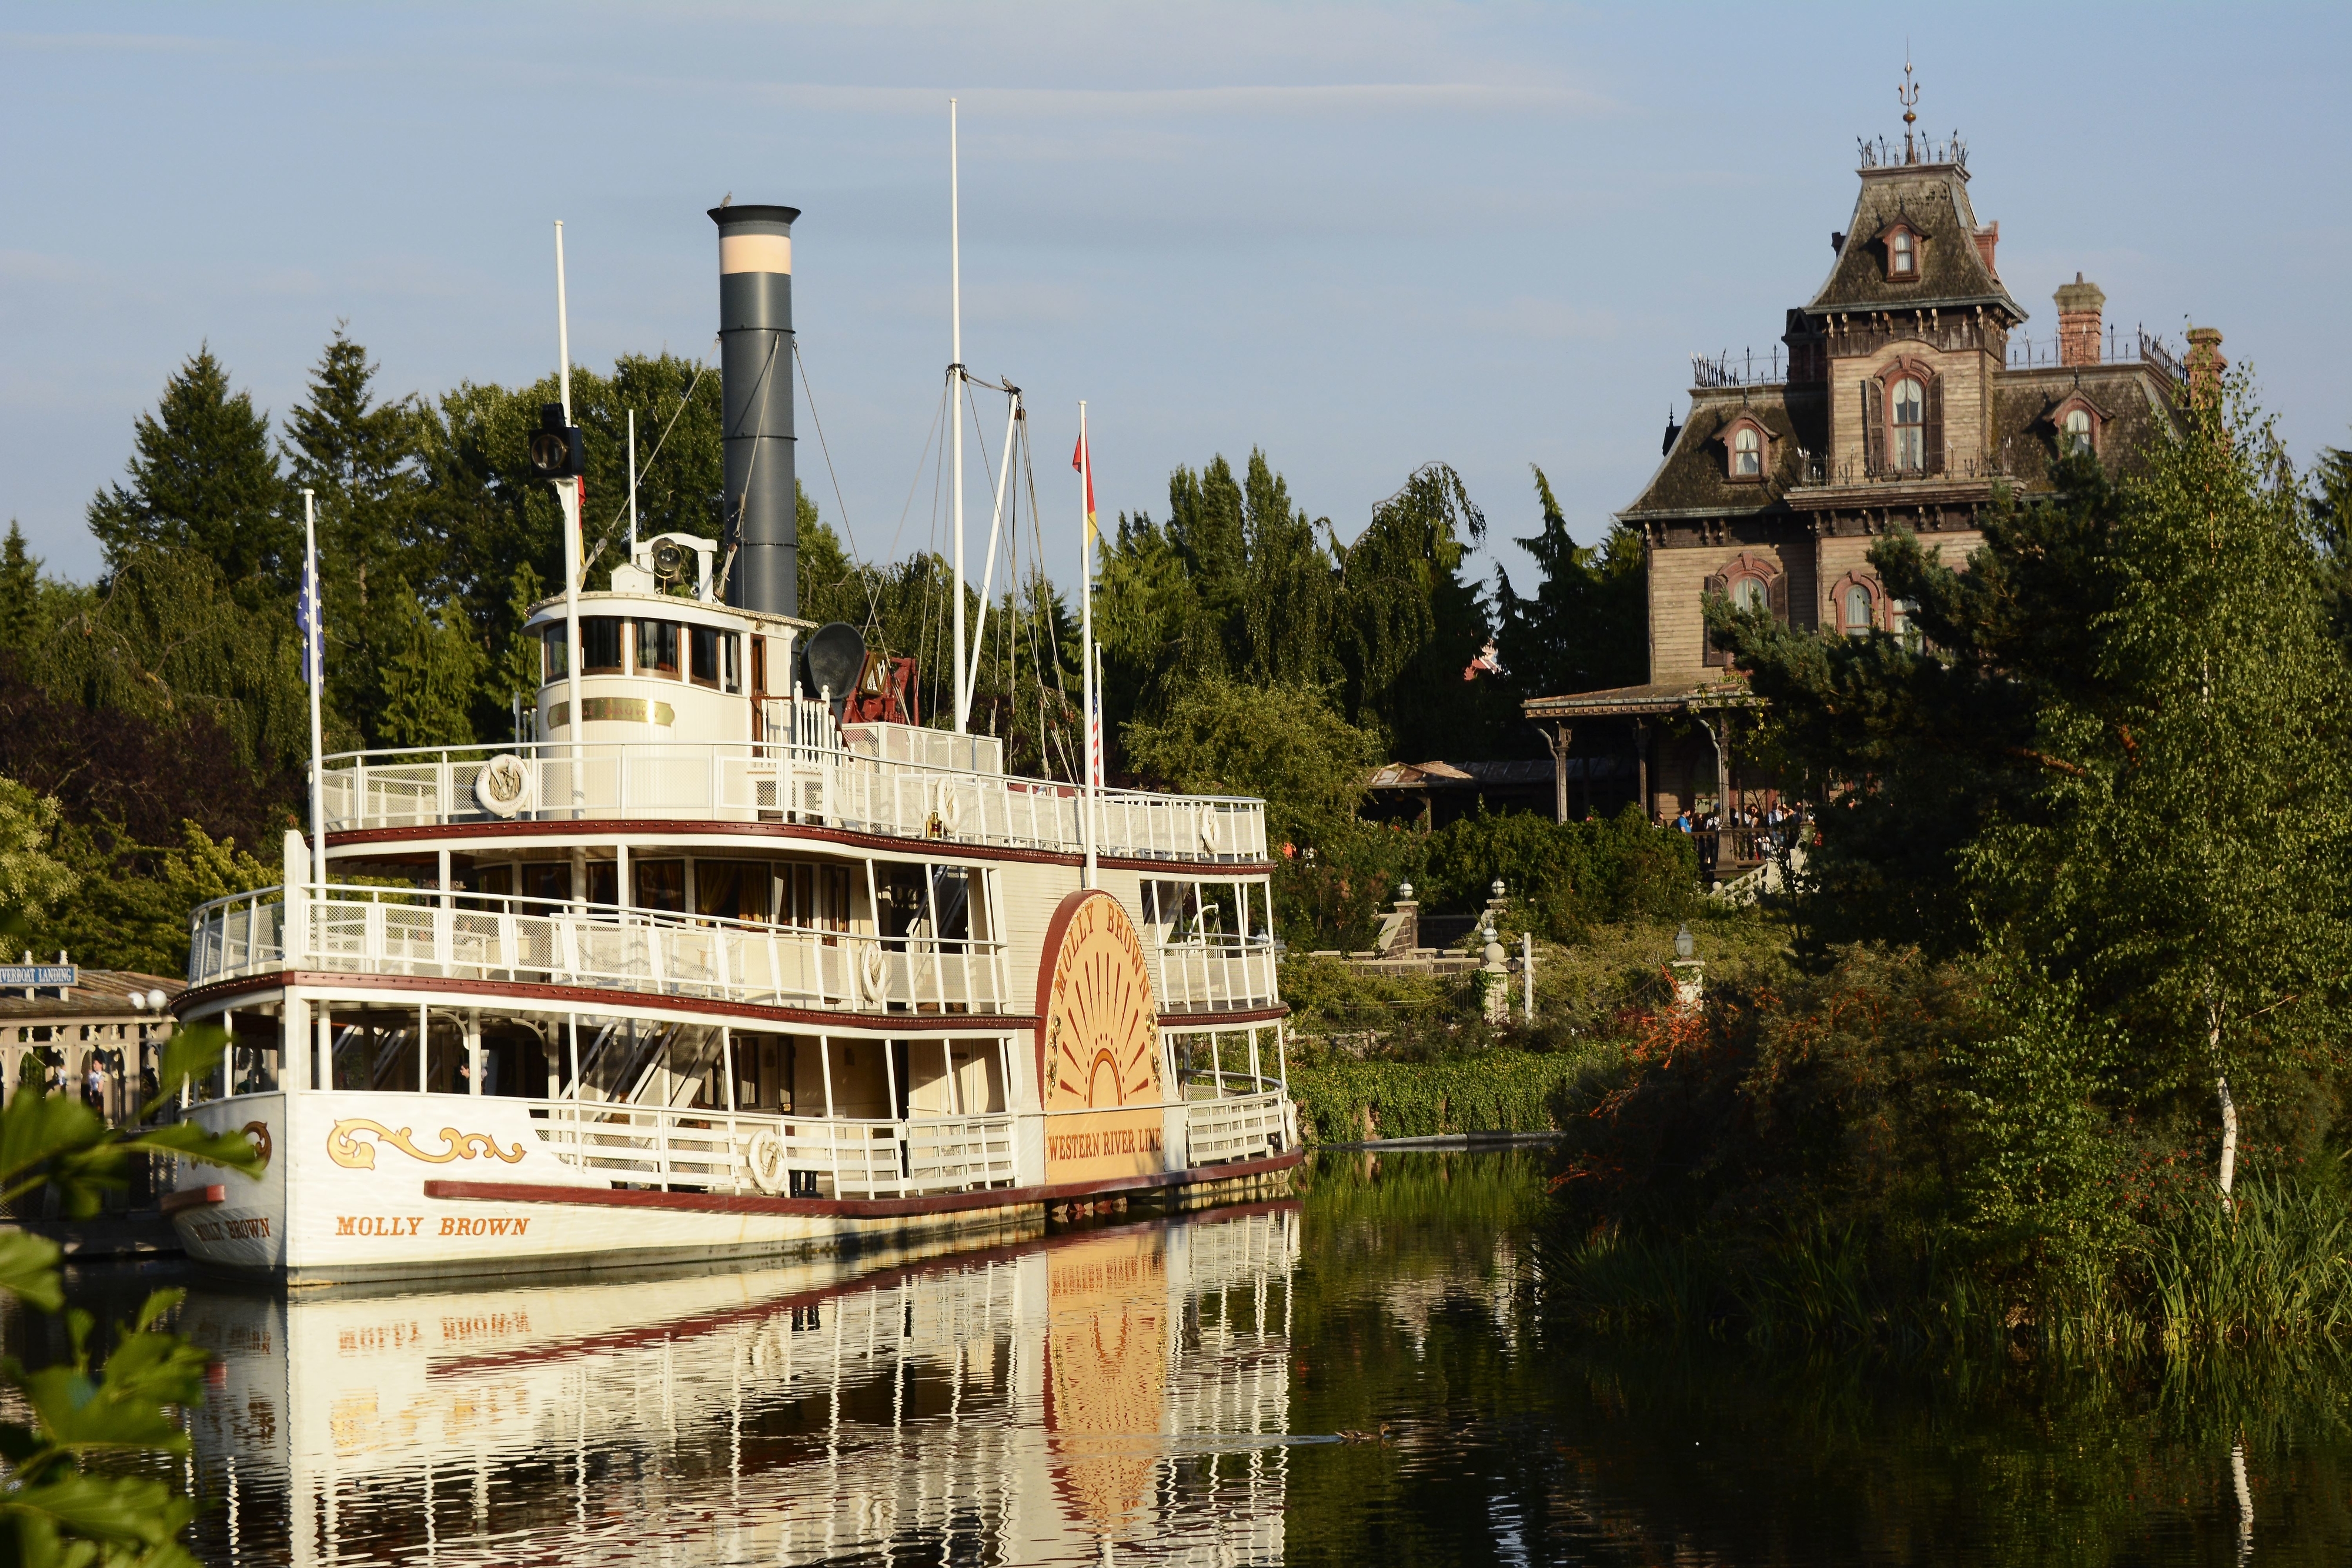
(20, 592)
(204, 480)
(363, 460)
(1586, 627)
(431, 678)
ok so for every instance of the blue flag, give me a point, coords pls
(306, 617)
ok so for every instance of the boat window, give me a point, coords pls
(704, 642)
(758, 664)
(554, 666)
(815, 897)
(657, 648)
(927, 901)
(494, 881)
(731, 663)
(660, 884)
(730, 890)
(546, 879)
(603, 881)
(600, 645)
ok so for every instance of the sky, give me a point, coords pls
(1361, 237)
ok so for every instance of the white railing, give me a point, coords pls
(1237, 1128)
(822, 784)
(1215, 974)
(717, 1151)
(404, 931)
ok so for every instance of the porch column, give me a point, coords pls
(1559, 740)
(1642, 763)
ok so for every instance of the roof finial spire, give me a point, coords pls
(1907, 95)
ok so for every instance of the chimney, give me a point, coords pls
(2205, 362)
(755, 370)
(2079, 304)
(1988, 240)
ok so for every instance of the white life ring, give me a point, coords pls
(874, 972)
(1213, 829)
(764, 1153)
(503, 785)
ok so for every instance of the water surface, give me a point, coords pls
(1177, 1390)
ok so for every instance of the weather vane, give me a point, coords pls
(1907, 95)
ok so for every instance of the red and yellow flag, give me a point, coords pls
(1083, 461)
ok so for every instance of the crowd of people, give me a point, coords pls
(1774, 827)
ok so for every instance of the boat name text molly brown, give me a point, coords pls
(410, 1224)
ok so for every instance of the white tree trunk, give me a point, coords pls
(2228, 1106)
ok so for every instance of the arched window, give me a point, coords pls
(1903, 260)
(1910, 411)
(2076, 437)
(1857, 615)
(1747, 454)
(1748, 594)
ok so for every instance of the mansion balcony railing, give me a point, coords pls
(830, 786)
(470, 937)
(2110, 348)
(1817, 471)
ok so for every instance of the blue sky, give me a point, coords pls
(1358, 236)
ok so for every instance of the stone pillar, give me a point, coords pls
(2205, 362)
(1558, 740)
(1497, 975)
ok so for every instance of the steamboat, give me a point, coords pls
(725, 955)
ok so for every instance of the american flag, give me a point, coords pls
(307, 619)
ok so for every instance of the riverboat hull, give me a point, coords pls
(363, 1186)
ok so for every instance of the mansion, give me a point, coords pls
(1906, 391)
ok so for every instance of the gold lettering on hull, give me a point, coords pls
(414, 1225)
(345, 1149)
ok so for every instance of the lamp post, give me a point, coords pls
(1690, 974)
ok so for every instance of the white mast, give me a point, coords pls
(314, 661)
(633, 487)
(1087, 628)
(567, 490)
(955, 404)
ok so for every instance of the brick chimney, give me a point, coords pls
(1988, 240)
(2205, 362)
(2079, 305)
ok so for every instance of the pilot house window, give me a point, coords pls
(1910, 410)
(1747, 454)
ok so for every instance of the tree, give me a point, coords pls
(430, 677)
(1287, 744)
(1408, 624)
(1586, 627)
(2331, 516)
(33, 879)
(204, 480)
(363, 458)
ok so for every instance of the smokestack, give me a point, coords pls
(755, 366)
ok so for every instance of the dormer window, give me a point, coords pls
(1746, 448)
(1747, 454)
(2075, 436)
(2075, 423)
(1901, 254)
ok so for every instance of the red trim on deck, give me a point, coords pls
(657, 827)
(851, 1207)
(194, 1197)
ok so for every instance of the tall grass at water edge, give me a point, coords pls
(2272, 1269)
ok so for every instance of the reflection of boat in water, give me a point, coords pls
(731, 956)
(1041, 1402)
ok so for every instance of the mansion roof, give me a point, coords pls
(1932, 201)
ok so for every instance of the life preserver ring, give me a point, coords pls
(874, 972)
(764, 1153)
(503, 785)
(1213, 829)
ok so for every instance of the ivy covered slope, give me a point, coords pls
(2065, 1047)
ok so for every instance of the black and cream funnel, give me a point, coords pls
(755, 363)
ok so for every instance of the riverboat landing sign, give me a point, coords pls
(1099, 1052)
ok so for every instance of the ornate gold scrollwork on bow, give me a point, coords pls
(345, 1149)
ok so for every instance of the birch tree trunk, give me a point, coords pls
(2228, 1106)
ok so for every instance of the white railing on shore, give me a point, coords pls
(825, 785)
(1215, 973)
(719, 1151)
(405, 931)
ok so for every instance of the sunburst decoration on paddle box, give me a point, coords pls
(1098, 1048)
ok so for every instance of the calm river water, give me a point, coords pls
(1175, 1391)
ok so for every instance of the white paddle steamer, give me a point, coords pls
(710, 967)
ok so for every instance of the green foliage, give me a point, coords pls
(204, 482)
(1567, 875)
(429, 678)
(1284, 744)
(135, 899)
(33, 879)
(1587, 627)
(1341, 1101)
